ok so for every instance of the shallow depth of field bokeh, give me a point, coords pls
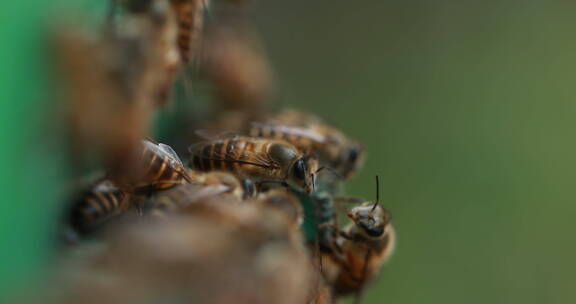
(465, 108)
(467, 111)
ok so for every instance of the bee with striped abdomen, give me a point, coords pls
(264, 160)
(190, 18)
(98, 205)
(157, 167)
(311, 135)
(368, 242)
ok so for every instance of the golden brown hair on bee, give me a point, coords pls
(98, 205)
(155, 167)
(263, 160)
(311, 135)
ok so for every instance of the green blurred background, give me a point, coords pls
(467, 111)
(465, 107)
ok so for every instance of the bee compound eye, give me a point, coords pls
(299, 170)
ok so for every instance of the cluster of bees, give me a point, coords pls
(250, 216)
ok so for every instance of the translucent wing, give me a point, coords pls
(168, 150)
(163, 149)
(292, 130)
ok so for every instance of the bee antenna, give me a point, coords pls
(377, 192)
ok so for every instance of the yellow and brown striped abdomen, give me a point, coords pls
(160, 171)
(93, 208)
(240, 155)
(190, 18)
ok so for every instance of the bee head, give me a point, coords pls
(370, 217)
(372, 221)
(303, 173)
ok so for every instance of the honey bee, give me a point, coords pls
(98, 205)
(368, 242)
(241, 188)
(263, 160)
(157, 167)
(190, 18)
(311, 135)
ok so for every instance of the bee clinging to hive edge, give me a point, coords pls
(264, 160)
(156, 167)
(369, 241)
(311, 135)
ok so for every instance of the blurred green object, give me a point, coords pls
(26, 215)
(32, 157)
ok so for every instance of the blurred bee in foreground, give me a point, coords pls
(246, 249)
(311, 135)
(264, 160)
(157, 167)
(146, 32)
(368, 242)
(113, 79)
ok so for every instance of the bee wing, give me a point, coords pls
(208, 191)
(292, 130)
(168, 150)
(214, 135)
(105, 186)
(163, 149)
(196, 193)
